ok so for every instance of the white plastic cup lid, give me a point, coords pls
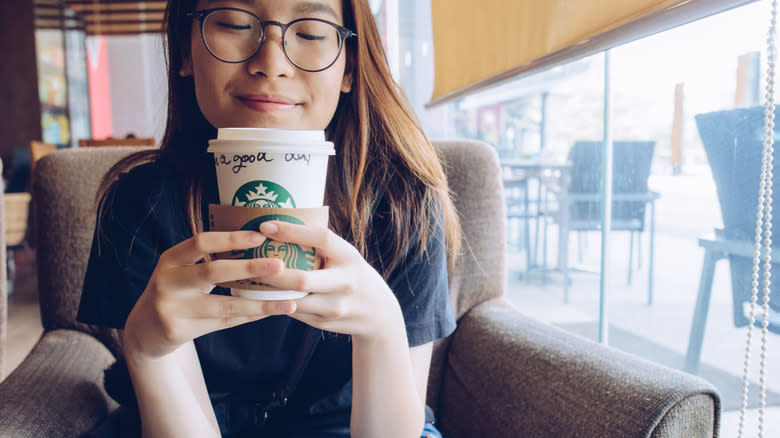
(271, 140)
(273, 135)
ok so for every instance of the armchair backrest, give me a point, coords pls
(474, 178)
(64, 186)
(64, 190)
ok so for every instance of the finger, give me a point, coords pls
(224, 310)
(199, 245)
(323, 281)
(201, 326)
(323, 239)
(319, 306)
(205, 275)
(204, 314)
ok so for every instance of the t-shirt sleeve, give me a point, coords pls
(124, 253)
(421, 286)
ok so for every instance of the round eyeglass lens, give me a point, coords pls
(312, 44)
(231, 36)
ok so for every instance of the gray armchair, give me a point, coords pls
(501, 374)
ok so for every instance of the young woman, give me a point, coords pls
(352, 356)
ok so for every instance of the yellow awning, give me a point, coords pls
(481, 43)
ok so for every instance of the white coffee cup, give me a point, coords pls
(260, 167)
(271, 168)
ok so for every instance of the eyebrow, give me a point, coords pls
(243, 2)
(304, 7)
(308, 7)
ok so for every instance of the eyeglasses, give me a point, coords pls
(235, 35)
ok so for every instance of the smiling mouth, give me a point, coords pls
(267, 104)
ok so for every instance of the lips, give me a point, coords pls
(267, 103)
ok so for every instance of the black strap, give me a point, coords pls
(311, 338)
(238, 416)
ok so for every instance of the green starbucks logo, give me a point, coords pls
(263, 194)
(292, 254)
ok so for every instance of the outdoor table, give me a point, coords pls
(518, 173)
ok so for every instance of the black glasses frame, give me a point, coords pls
(201, 15)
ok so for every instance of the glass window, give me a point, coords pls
(686, 126)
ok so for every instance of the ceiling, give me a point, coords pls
(102, 17)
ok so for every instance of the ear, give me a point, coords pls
(349, 71)
(186, 67)
(346, 82)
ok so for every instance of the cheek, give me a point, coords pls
(209, 78)
(330, 87)
(205, 71)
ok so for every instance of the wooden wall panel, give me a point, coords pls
(20, 108)
(124, 17)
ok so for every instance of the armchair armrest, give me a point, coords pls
(57, 391)
(509, 376)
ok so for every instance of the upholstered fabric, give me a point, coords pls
(57, 391)
(474, 178)
(65, 183)
(693, 416)
(511, 376)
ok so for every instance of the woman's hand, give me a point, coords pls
(176, 306)
(347, 295)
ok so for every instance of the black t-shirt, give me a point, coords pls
(247, 362)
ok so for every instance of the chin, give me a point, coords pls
(258, 124)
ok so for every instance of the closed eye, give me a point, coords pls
(310, 37)
(234, 26)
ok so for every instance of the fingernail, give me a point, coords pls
(286, 307)
(275, 265)
(256, 237)
(269, 227)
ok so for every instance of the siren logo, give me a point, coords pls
(292, 254)
(265, 194)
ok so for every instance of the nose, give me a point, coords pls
(270, 60)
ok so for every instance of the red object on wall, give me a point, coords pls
(99, 90)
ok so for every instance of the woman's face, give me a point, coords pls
(267, 91)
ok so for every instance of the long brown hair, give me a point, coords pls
(381, 149)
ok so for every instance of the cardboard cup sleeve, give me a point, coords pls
(233, 218)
